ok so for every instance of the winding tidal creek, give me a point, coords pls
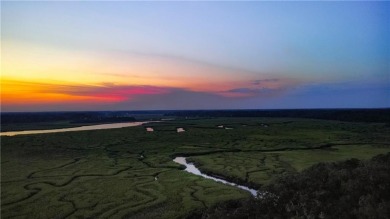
(191, 168)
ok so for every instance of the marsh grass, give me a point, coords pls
(111, 173)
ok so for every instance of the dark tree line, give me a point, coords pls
(73, 117)
(349, 115)
(349, 189)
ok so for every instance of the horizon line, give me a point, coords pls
(248, 109)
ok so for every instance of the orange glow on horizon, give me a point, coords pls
(43, 63)
(40, 74)
(25, 92)
(19, 92)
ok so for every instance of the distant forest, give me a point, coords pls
(348, 115)
(72, 117)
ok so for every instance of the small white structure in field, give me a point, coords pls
(149, 129)
(220, 126)
(228, 128)
(180, 130)
(264, 125)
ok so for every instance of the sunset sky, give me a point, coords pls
(58, 56)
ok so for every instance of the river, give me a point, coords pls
(75, 129)
(191, 168)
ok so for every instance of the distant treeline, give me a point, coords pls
(350, 115)
(73, 117)
(349, 189)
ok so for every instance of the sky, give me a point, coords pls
(93, 55)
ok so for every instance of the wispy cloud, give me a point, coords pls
(243, 92)
(261, 87)
(38, 96)
(260, 82)
(114, 92)
(21, 92)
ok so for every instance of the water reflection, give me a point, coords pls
(191, 168)
(81, 128)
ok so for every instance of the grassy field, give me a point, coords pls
(128, 172)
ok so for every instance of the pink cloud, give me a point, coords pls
(115, 93)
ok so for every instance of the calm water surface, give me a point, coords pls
(75, 129)
(191, 168)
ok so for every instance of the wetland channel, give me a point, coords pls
(191, 168)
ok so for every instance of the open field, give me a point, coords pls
(129, 172)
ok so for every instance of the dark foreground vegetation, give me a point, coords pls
(349, 189)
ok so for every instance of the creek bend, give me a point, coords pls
(191, 168)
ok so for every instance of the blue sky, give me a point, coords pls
(306, 54)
